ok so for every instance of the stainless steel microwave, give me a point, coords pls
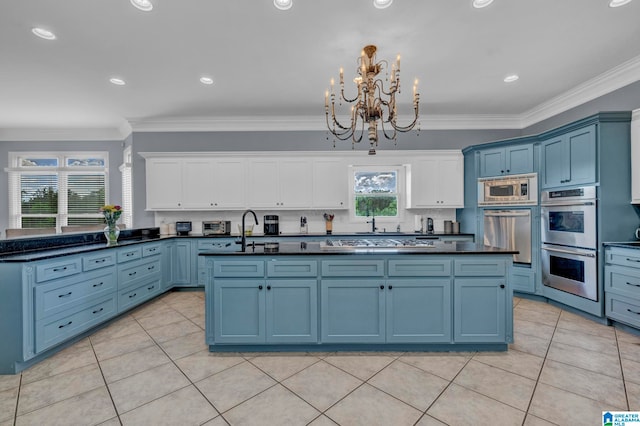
(515, 190)
(216, 227)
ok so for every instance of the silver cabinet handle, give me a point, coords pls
(557, 250)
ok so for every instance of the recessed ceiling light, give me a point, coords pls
(42, 33)
(618, 3)
(382, 4)
(511, 78)
(206, 80)
(478, 4)
(283, 4)
(117, 81)
(144, 5)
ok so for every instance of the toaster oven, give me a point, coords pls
(216, 227)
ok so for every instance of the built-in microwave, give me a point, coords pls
(515, 190)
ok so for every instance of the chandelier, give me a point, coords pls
(371, 105)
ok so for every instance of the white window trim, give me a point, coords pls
(400, 169)
(15, 170)
(126, 171)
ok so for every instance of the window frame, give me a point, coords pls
(400, 193)
(62, 171)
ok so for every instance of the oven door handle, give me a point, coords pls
(503, 213)
(557, 250)
(569, 204)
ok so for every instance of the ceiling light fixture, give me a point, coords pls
(283, 4)
(479, 4)
(144, 5)
(368, 106)
(117, 81)
(42, 33)
(618, 3)
(382, 4)
(511, 78)
(206, 80)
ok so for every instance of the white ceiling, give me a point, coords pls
(271, 67)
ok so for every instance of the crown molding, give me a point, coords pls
(23, 134)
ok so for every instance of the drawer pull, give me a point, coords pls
(99, 284)
(151, 288)
(628, 260)
(151, 268)
(131, 296)
(98, 310)
(634, 285)
(65, 295)
(132, 273)
(151, 250)
(633, 312)
(64, 325)
(131, 253)
(100, 261)
(64, 268)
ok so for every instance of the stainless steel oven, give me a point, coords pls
(570, 269)
(509, 229)
(568, 217)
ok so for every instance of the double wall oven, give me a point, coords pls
(569, 241)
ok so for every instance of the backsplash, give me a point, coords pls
(289, 220)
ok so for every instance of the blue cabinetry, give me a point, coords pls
(511, 160)
(622, 285)
(569, 159)
(182, 263)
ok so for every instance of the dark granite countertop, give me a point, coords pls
(624, 244)
(416, 235)
(316, 248)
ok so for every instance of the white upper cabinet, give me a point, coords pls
(279, 183)
(436, 181)
(635, 157)
(164, 184)
(330, 184)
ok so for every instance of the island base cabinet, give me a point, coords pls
(418, 310)
(479, 310)
(353, 311)
(271, 311)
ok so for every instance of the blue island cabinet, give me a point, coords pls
(258, 302)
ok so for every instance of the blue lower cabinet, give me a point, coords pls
(292, 311)
(353, 311)
(239, 311)
(134, 295)
(418, 310)
(479, 310)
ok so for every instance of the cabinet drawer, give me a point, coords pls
(151, 249)
(58, 268)
(623, 309)
(129, 254)
(56, 297)
(129, 298)
(130, 274)
(50, 332)
(238, 268)
(292, 268)
(216, 244)
(102, 259)
(353, 268)
(419, 268)
(479, 267)
(623, 257)
(624, 281)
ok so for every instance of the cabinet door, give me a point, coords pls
(353, 311)
(479, 310)
(582, 155)
(418, 310)
(229, 182)
(197, 183)
(635, 158)
(519, 159)
(262, 188)
(238, 314)
(451, 183)
(330, 184)
(164, 183)
(425, 176)
(292, 311)
(295, 183)
(554, 162)
(492, 162)
(181, 263)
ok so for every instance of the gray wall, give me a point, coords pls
(115, 159)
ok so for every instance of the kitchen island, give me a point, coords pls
(306, 296)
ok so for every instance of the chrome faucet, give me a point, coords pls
(243, 239)
(373, 223)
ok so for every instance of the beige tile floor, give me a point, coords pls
(151, 367)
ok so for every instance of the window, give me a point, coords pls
(127, 189)
(55, 189)
(376, 192)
